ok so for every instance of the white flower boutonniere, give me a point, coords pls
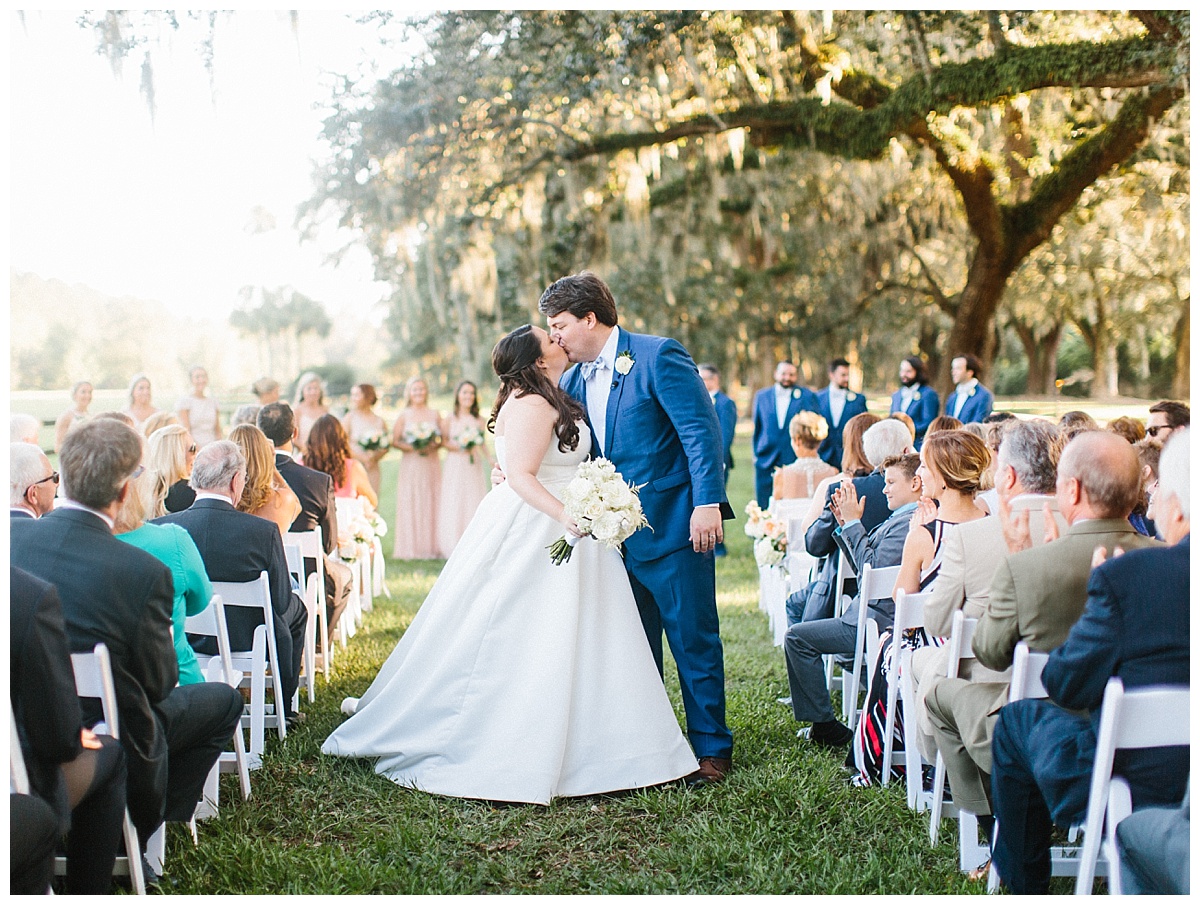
(916, 395)
(624, 363)
(850, 397)
(795, 394)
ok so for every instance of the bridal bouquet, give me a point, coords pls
(769, 533)
(602, 505)
(373, 442)
(468, 439)
(420, 436)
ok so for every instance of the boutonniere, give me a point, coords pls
(795, 394)
(850, 397)
(624, 363)
(916, 395)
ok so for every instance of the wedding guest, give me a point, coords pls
(464, 470)
(266, 389)
(140, 408)
(367, 431)
(837, 404)
(174, 548)
(774, 408)
(1142, 519)
(24, 428)
(1130, 428)
(915, 398)
(855, 464)
(125, 419)
(329, 451)
(417, 433)
(800, 479)
(170, 452)
(308, 406)
(1166, 417)
(726, 418)
(1076, 422)
(245, 414)
(971, 400)
(907, 422)
(81, 397)
(32, 483)
(943, 423)
(198, 411)
(266, 493)
(161, 418)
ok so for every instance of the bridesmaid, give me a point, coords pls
(199, 412)
(418, 482)
(464, 471)
(81, 396)
(362, 424)
(140, 408)
(309, 405)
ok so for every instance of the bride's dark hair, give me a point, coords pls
(515, 361)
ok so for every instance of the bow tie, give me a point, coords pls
(588, 368)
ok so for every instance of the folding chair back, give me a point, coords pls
(1032, 502)
(1152, 717)
(910, 614)
(873, 584)
(1026, 679)
(312, 546)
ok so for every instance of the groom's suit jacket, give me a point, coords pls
(662, 435)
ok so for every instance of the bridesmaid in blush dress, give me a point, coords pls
(366, 427)
(417, 433)
(464, 470)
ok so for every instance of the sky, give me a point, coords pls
(163, 208)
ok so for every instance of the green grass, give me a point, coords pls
(783, 822)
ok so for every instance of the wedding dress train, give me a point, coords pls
(519, 680)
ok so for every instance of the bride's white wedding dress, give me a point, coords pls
(519, 680)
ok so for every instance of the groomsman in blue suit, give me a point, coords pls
(837, 404)
(971, 400)
(726, 417)
(774, 409)
(651, 417)
(916, 398)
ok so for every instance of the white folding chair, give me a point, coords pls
(910, 614)
(261, 662)
(873, 584)
(350, 509)
(93, 679)
(1152, 717)
(845, 572)
(210, 622)
(1032, 502)
(312, 547)
(295, 563)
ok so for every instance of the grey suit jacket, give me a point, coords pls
(881, 548)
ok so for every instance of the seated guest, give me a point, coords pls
(32, 483)
(245, 414)
(907, 422)
(24, 428)
(170, 452)
(174, 548)
(121, 596)
(1135, 625)
(1036, 596)
(32, 840)
(1155, 850)
(159, 419)
(855, 464)
(328, 451)
(1073, 423)
(236, 546)
(1165, 417)
(1148, 452)
(79, 775)
(799, 480)
(943, 423)
(807, 642)
(314, 489)
(267, 494)
(1130, 428)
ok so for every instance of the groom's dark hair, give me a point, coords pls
(579, 295)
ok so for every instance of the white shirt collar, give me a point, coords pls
(967, 387)
(209, 495)
(837, 391)
(24, 509)
(67, 503)
(608, 355)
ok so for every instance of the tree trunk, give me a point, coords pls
(1182, 381)
(972, 331)
(1042, 354)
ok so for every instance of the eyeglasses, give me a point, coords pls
(192, 449)
(137, 472)
(1154, 431)
(53, 476)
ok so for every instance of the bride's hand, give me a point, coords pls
(569, 523)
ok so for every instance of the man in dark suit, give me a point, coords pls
(806, 643)
(79, 774)
(314, 489)
(837, 404)
(726, 417)
(1135, 625)
(916, 398)
(971, 400)
(774, 409)
(114, 593)
(237, 546)
(32, 482)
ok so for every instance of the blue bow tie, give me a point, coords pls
(588, 368)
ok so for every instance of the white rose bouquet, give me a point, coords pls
(373, 442)
(769, 533)
(602, 504)
(420, 436)
(468, 439)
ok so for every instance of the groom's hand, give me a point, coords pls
(707, 530)
(497, 475)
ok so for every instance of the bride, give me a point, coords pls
(519, 680)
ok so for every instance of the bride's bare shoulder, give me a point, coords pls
(524, 412)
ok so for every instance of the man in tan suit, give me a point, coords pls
(1037, 594)
(1026, 465)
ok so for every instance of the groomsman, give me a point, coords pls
(774, 409)
(837, 404)
(971, 400)
(727, 418)
(916, 398)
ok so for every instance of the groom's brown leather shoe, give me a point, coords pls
(712, 769)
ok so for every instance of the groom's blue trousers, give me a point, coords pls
(677, 595)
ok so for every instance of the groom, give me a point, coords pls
(651, 417)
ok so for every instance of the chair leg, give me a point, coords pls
(935, 809)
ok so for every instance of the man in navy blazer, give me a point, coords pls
(971, 400)
(837, 404)
(726, 417)
(774, 409)
(651, 417)
(1135, 625)
(916, 398)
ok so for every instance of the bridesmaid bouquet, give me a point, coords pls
(420, 436)
(468, 439)
(602, 504)
(373, 442)
(769, 533)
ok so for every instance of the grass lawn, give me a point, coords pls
(783, 822)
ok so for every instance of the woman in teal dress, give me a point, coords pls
(174, 547)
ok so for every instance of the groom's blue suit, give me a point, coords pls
(662, 434)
